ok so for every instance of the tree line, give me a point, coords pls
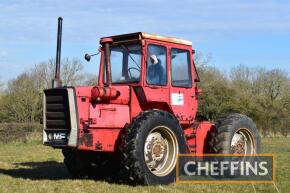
(263, 95)
(21, 101)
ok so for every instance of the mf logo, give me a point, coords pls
(59, 136)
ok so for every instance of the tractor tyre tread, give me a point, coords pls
(225, 128)
(133, 170)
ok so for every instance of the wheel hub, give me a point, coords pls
(156, 149)
(242, 142)
(160, 151)
(239, 147)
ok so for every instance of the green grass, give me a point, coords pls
(31, 167)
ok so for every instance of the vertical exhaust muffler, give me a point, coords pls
(56, 82)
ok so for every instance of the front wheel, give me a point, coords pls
(76, 163)
(150, 148)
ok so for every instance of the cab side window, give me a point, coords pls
(156, 65)
(180, 68)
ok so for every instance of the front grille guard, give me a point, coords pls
(60, 116)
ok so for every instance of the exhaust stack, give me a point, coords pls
(56, 82)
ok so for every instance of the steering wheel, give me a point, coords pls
(129, 71)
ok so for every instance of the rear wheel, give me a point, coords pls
(150, 148)
(235, 134)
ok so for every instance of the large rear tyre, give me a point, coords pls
(150, 147)
(235, 134)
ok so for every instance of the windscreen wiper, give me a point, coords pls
(126, 48)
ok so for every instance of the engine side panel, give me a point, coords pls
(105, 140)
(101, 122)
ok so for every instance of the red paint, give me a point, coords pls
(105, 93)
(109, 115)
(202, 132)
(102, 140)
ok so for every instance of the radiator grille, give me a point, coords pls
(57, 109)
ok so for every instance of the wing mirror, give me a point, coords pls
(89, 56)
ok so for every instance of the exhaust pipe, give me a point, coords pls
(56, 82)
(107, 67)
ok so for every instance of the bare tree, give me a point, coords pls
(22, 100)
(202, 61)
(273, 83)
(71, 73)
(91, 80)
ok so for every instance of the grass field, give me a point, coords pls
(31, 167)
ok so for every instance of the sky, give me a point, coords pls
(250, 32)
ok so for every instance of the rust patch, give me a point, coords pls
(86, 139)
(99, 146)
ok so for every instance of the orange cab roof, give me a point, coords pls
(143, 35)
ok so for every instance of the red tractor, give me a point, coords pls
(140, 115)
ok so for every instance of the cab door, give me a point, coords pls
(156, 87)
(182, 93)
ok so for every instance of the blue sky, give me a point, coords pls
(254, 33)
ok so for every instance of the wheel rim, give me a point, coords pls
(242, 142)
(160, 151)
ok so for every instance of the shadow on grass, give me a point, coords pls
(48, 170)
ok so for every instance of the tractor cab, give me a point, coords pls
(125, 58)
(159, 68)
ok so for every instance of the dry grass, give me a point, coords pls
(31, 167)
(19, 132)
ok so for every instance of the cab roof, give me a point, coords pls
(143, 35)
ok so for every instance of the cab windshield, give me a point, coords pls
(125, 63)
